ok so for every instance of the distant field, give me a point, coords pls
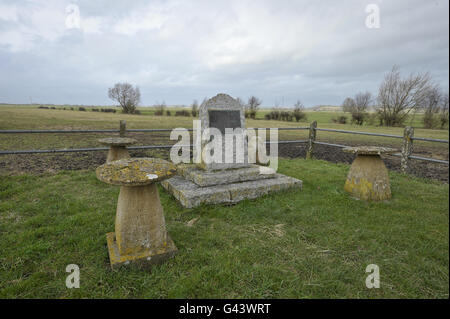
(30, 117)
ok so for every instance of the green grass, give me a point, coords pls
(310, 243)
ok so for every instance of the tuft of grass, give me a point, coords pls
(310, 243)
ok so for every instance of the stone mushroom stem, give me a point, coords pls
(368, 178)
(117, 152)
(140, 223)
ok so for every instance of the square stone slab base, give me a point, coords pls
(210, 178)
(191, 195)
(141, 260)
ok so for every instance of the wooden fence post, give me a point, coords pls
(407, 147)
(123, 128)
(311, 139)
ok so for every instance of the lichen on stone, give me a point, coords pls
(135, 171)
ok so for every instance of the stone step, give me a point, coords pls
(191, 195)
(208, 178)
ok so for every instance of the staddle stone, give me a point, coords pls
(368, 177)
(117, 147)
(140, 235)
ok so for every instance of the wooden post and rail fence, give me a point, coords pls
(405, 154)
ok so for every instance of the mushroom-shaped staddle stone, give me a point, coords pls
(368, 177)
(140, 229)
(117, 147)
(135, 171)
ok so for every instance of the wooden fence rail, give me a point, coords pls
(405, 154)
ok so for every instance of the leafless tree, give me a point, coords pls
(253, 105)
(194, 108)
(432, 106)
(299, 111)
(240, 101)
(348, 104)
(443, 112)
(126, 95)
(362, 103)
(159, 108)
(399, 97)
(358, 106)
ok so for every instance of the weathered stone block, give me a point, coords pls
(208, 178)
(191, 195)
(143, 259)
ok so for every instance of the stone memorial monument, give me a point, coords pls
(231, 178)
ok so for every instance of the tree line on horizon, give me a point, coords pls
(397, 98)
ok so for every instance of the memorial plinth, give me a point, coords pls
(117, 147)
(140, 235)
(368, 177)
(224, 181)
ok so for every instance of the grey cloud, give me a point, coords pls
(319, 52)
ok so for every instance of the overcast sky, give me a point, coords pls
(317, 51)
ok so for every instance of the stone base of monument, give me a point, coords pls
(194, 187)
(144, 259)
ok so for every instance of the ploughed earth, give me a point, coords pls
(41, 163)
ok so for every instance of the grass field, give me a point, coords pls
(28, 117)
(310, 243)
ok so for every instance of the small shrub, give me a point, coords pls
(42, 107)
(340, 119)
(371, 119)
(182, 113)
(290, 117)
(82, 109)
(275, 115)
(159, 109)
(168, 113)
(358, 118)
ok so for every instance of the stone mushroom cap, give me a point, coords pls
(135, 171)
(370, 150)
(117, 141)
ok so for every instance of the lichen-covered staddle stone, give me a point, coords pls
(140, 230)
(117, 147)
(368, 177)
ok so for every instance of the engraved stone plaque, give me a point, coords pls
(222, 119)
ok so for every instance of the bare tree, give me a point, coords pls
(299, 111)
(159, 108)
(126, 95)
(362, 102)
(194, 108)
(348, 104)
(443, 112)
(253, 105)
(432, 106)
(398, 97)
(240, 101)
(358, 106)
